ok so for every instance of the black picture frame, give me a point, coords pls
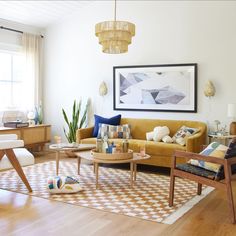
(162, 88)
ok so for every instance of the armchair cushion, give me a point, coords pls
(196, 170)
(8, 144)
(8, 137)
(231, 152)
(214, 149)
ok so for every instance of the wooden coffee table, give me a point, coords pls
(137, 158)
(61, 148)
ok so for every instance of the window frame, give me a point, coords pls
(12, 50)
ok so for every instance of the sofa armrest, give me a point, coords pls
(194, 143)
(84, 133)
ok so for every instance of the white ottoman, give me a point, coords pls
(24, 157)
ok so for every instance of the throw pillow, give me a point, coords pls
(231, 152)
(214, 149)
(149, 136)
(111, 131)
(183, 133)
(115, 120)
(167, 139)
(160, 132)
(63, 184)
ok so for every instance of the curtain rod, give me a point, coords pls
(14, 30)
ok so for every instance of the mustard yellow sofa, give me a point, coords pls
(160, 152)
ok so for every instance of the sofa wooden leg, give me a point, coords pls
(15, 163)
(199, 189)
(172, 188)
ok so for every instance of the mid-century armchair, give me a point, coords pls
(7, 143)
(202, 176)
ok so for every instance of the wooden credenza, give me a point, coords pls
(33, 136)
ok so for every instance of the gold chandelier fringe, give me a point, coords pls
(115, 36)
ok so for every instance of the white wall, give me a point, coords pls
(166, 32)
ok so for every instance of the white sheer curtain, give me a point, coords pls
(31, 47)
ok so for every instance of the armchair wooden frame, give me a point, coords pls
(16, 165)
(224, 184)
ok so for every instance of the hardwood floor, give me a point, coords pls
(25, 215)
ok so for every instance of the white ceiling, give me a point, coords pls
(39, 13)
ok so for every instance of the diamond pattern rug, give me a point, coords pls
(148, 199)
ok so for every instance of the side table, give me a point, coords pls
(63, 147)
(224, 139)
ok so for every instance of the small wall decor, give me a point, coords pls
(165, 88)
(103, 89)
(209, 89)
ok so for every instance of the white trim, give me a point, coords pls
(10, 47)
(187, 206)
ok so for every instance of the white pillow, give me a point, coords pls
(149, 136)
(167, 139)
(160, 132)
(63, 184)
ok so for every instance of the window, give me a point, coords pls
(12, 84)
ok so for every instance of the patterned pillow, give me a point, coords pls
(63, 184)
(112, 131)
(115, 120)
(214, 149)
(231, 152)
(182, 134)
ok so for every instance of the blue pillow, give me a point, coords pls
(115, 120)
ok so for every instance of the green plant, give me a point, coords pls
(76, 122)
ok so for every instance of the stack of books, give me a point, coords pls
(16, 124)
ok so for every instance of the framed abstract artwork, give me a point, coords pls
(165, 88)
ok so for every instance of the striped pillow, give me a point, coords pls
(112, 131)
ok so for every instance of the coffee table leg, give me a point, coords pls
(57, 161)
(135, 171)
(96, 172)
(79, 160)
(131, 173)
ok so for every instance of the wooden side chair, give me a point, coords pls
(7, 143)
(203, 176)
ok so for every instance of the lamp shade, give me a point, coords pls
(232, 110)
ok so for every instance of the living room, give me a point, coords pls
(193, 40)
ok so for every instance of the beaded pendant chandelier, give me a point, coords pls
(115, 36)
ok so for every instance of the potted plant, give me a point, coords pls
(77, 121)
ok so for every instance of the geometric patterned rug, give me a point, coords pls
(148, 199)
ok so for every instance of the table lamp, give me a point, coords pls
(232, 115)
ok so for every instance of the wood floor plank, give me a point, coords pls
(25, 215)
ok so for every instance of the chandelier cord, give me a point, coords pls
(115, 10)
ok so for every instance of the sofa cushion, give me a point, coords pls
(167, 139)
(63, 184)
(160, 132)
(150, 135)
(115, 120)
(139, 127)
(183, 133)
(114, 131)
(162, 149)
(152, 148)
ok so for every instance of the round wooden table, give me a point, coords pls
(64, 147)
(137, 158)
